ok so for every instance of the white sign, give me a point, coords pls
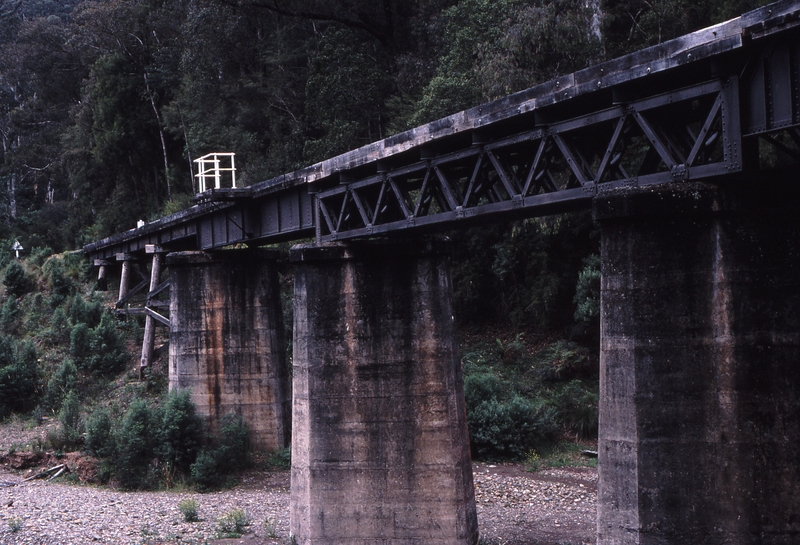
(17, 247)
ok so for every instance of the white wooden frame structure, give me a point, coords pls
(210, 167)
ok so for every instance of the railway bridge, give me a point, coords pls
(687, 154)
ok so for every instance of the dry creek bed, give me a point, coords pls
(551, 507)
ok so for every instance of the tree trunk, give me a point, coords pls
(160, 134)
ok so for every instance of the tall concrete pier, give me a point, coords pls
(380, 451)
(700, 365)
(226, 341)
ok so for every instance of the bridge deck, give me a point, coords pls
(690, 108)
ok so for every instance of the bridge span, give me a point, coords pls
(687, 153)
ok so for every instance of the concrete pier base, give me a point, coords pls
(226, 340)
(700, 365)
(380, 452)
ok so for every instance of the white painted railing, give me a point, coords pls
(216, 168)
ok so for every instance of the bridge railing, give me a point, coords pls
(218, 169)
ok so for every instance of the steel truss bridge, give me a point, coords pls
(721, 103)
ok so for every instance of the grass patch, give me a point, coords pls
(280, 460)
(563, 454)
(189, 507)
(232, 524)
(270, 528)
(15, 524)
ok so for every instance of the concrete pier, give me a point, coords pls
(700, 365)
(226, 340)
(380, 452)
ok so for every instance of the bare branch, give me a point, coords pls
(375, 29)
(11, 10)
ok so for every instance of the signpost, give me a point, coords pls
(17, 247)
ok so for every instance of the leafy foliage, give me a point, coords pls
(166, 444)
(63, 381)
(69, 416)
(16, 280)
(180, 433)
(100, 440)
(19, 375)
(510, 427)
(233, 524)
(232, 451)
(204, 470)
(135, 441)
(520, 399)
(189, 508)
(587, 291)
(577, 407)
(61, 285)
(99, 350)
(523, 275)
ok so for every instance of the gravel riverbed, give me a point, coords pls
(551, 507)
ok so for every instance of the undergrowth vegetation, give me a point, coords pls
(156, 447)
(64, 360)
(523, 397)
(56, 336)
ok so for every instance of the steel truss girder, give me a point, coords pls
(688, 133)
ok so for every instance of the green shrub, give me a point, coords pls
(231, 453)
(513, 352)
(61, 286)
(57, 333)
(204, 470)
(280, 459)
(80, 343)
(100, 350)
(19, 376)
(100, 440)
(577, 408)
(532, 461)
(233, 443)
(510, 428)
(180, 432)
(6, 255)
(587, 291)
(482, 387)
(39, 255)
(87, 312)
(16, 280)
(189, 508)
(36, 313)
(564, 360)
(15, 524)
(135, 442)
(109, 354)
(62, 381)
(152, 444)
(233, 524)
(77, 267)
(69, 416)
(10, 316)
(271, 528)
